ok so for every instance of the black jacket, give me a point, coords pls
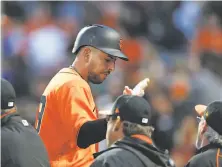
(132, 152)
(208, 156)
(20, 144)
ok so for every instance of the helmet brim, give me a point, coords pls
(114, 52)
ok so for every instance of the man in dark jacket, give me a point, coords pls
(130, 131)
(209, 136)
(20, 144)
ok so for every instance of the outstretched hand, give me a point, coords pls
(138, 90)
(127, 91)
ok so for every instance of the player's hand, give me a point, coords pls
(138, 90)
(127, 91)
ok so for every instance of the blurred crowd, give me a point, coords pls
(178, 45)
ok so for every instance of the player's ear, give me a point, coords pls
(86, 53)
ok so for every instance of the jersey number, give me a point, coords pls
(41, 112)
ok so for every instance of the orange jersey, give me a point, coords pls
(67, 103)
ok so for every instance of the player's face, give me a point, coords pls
(199, 140)
(100, 66)
(114, 132)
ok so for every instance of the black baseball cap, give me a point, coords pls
(132, 108)
(8, 95)
(212, 114)
(101, 37)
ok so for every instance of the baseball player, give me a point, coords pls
(209, 136)
(67, 116)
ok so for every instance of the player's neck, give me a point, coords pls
(80, 70)
(205, 142)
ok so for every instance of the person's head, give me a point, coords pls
(8, 98)
(129, 116)
(98, 64)
(209, 128)
(96, 48)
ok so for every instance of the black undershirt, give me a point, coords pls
(92, 132)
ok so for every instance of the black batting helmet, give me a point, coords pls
(100, 37)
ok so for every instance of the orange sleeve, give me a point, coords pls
(78, 109)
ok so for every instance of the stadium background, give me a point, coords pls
(178, 45)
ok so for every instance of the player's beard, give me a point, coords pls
(94, 78)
